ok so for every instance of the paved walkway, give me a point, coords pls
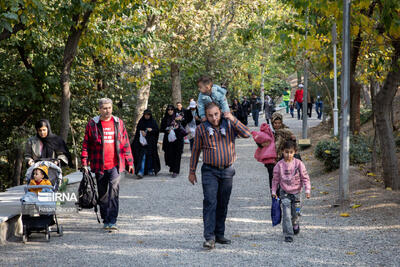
(161, 225)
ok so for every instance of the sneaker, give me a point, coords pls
(140, 175)
(106, 226)
(296, 229)
(151, 173)
(113, 226)
(288, 239)
(209, 244)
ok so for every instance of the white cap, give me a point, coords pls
(301, 85)
(192, 104)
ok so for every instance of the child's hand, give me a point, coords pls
(204, 119)
(266, 144)
(308, 195)
(274, 196)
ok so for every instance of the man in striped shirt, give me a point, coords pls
(216, 137)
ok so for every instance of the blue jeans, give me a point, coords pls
(318, 109)
(217, 187)
(255, 114)
(143, 165)
(290, 211)
(299, 107)
(108, 190)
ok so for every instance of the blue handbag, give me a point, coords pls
(276, 212)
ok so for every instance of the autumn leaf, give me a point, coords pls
(351, 253)
(324, 192)
(388, 188)
(327, 152)
(356, 206)
(344, 214)
(371, 174)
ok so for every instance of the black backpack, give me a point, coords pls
(87, 193)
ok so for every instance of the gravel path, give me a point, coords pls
(161, 225)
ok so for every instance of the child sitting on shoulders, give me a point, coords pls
(291, 176)
(210, 92)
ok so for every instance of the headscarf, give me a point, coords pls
(170, 118)
(150, 123)
(52, 144)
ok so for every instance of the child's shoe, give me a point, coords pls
(296, 229)
(288, 239)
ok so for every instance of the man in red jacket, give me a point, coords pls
(298, 99)
(106, 147)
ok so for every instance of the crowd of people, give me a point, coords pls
(211, 126)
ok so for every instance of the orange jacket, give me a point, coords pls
(37, 190)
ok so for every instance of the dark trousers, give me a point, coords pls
(318, 109)
(299, 107)
(309, 109)
(245, 118)
(108, 189)
(287, 106)
(217, 187)
(270, 168)
(255, 114)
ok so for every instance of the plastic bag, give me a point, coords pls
(171, 136)
(142, 140)
(276, 212)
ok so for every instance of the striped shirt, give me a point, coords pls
(218, 146)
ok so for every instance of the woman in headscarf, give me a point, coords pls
(281, 135)
(173, 149)
(46, 145)
(144, 148)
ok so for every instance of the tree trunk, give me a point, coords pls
(70, 52)
(384, 99)
(143, 93)
(176, 83)
(373, 90)
(19, 159)
(366, 96)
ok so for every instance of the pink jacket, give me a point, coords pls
(265, 154)
(291, 177)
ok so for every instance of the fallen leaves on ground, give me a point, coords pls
(388, 188)
(344, 214)
(324, 192)
(356, 206)
(351, 253)
(371, 174)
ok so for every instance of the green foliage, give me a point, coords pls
(365, 115)
(328, 151)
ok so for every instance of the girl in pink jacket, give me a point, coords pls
(266, 151)
(291, 176)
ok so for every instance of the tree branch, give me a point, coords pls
(7, 34)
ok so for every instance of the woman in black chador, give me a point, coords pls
(172, 146)
(145, 151)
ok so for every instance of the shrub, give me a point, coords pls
(328, 151)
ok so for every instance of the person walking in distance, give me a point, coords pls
(298, 99)
(106, 149)
(216, 137)
(246, 109)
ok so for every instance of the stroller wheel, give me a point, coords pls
(47, 236)
(60, 230)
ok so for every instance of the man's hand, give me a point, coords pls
(229, 116)
(31, 162)
(131, 170)
(143, 133)
(293, 137)
(308, 195)
(149, 129)
(192, 178)
(274, 196)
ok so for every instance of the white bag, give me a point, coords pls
(142, 140)
(171, 136)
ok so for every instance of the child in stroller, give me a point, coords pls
(40, 177)
(37, 207)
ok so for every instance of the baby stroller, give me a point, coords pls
(39, 212)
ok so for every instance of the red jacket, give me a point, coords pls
(92, 147)
(298, 97)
